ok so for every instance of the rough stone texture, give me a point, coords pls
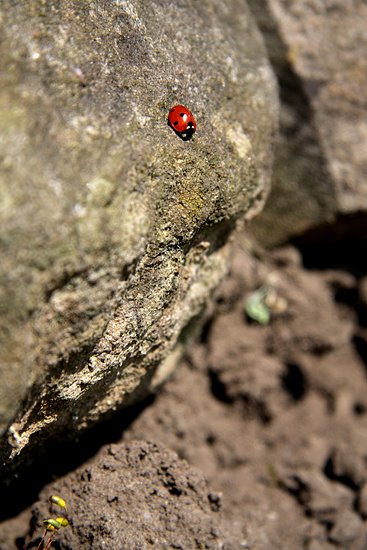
(319, 51)
(114, 231)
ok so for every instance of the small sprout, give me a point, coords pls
(256, 307)
(51, 524)
(273, 474)
(265, 301)
(54, 499)
(63, 522)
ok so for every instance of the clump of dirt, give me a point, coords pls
(136, 495)
(274, 417)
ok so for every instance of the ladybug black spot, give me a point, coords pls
(187, 134)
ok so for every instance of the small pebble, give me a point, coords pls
(347, 528)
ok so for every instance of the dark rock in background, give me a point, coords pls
(319, 52)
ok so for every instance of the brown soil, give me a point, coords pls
(259, 441)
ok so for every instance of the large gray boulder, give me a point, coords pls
(114, 230)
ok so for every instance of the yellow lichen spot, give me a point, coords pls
(192, 202)
(292, 55)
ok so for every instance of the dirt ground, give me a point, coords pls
(258, 442)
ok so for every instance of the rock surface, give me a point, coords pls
(319, 51)
(114, 231)
(327, 46)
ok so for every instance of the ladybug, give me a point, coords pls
(182, 122)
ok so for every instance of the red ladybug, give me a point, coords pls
(182, 121)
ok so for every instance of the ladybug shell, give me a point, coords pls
(182, 121)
